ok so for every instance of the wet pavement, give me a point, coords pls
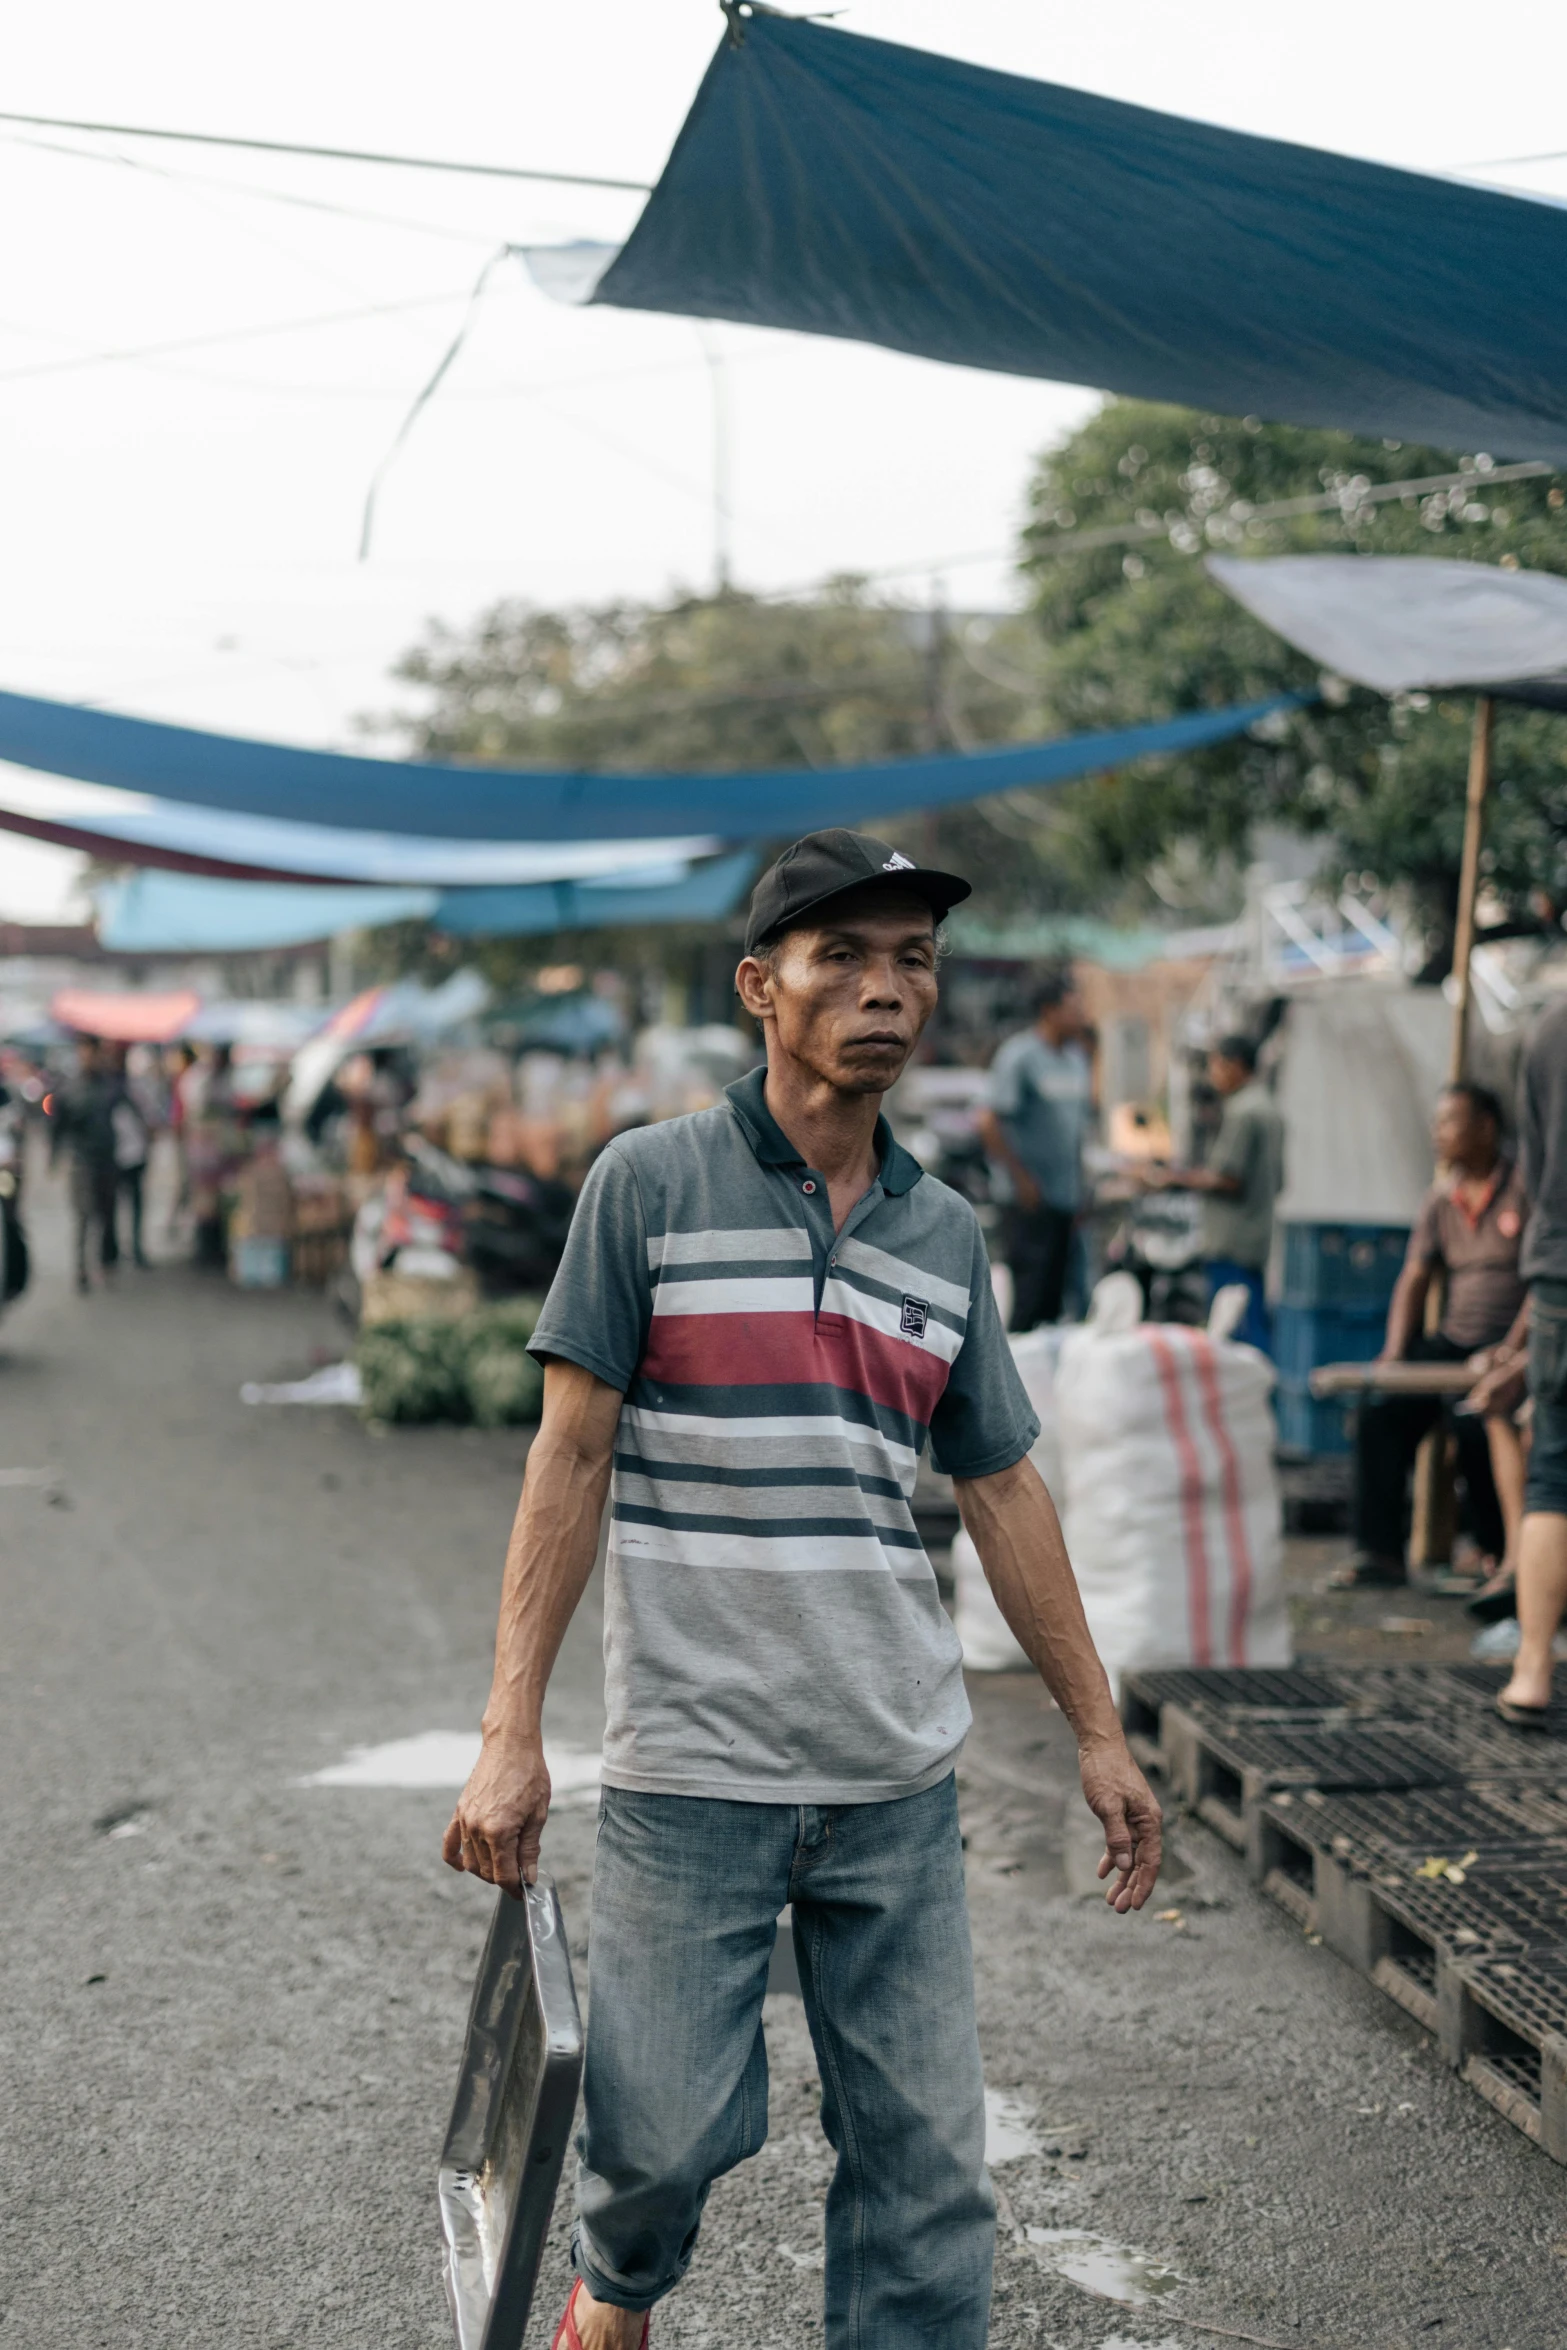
(236, 1973)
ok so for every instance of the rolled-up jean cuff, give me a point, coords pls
(605, 2285)
(1545, 1488)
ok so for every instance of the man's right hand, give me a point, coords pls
(498, 1826)
(1026, 1188)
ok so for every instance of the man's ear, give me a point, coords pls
(753, 987)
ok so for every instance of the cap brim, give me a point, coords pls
(941, 891)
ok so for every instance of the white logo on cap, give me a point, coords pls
(898, 863)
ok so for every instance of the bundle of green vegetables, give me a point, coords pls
(476, 1369)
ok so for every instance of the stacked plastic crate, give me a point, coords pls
(1338, 1279)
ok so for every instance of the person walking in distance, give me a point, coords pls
(1542, 1540)
(763, 1312)
(83, 1129)
(1036, 1119)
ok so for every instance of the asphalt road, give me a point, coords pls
(234, 2003)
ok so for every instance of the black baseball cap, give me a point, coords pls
(825, 864)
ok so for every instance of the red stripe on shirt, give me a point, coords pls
(762, 1350)
(1191, 1495)
(1234, 1516)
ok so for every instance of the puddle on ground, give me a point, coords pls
(443, 1758)
(1009, 2129)
(1113, 2271)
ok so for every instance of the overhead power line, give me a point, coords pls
(493, 171)
(231, 187)
(130, 353)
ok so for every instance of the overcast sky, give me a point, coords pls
(180, 529)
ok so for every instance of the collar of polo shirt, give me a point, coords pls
(898, 1169)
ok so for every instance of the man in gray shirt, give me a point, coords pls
(1038, 1109)
(763, 1312)
(1542, 1543)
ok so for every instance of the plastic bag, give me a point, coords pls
(1172, 1513)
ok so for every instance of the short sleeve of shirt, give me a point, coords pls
(600, 1302)
(984, 1421)
(1004, 1087)
(1425, 1239)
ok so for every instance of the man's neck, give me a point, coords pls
(1474, 1174)
(833, 1132)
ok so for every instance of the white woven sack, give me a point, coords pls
(988, 1645)
(1171, 1505)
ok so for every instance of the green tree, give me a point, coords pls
(1137, 630)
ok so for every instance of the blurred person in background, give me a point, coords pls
(1469, 1230)
(214, 1149)
(1037, 1117)
(1542, 1540)
(132, 1145)
(178, 1066)
(83, 1131)
(1241, 1180)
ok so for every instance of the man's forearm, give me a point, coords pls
(554, 1541)
(1405, 1313)
(1013, 1524)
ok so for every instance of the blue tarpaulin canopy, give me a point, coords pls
(178, 913)
(447, 806)
(843, 186)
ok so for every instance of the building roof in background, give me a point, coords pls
(1050, 938)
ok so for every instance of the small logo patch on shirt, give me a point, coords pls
(916, 1313)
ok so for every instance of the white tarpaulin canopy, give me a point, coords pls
(1404, 623)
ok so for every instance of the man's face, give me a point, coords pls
(847, 997)
(1460, 1138)
(1224, 1075)
(1064, 1020)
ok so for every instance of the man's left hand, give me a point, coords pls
(1122, 1801)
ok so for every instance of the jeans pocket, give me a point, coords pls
(1547, 1354)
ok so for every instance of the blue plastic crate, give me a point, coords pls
(1342, 1264)
(1309, 1424)
(1304, 1336)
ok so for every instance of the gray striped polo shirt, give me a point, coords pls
(773, 1632)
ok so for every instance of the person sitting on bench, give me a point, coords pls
(1469, 1228)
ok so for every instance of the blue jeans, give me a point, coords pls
(1256, 1327)
(686, 1892)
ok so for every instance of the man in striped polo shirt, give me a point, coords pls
(763, 1312)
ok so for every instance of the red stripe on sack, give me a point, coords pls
(1197, 1606)
(1206, 1360)
(786, 1350)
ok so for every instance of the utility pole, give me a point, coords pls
(718, 384)
(938, 715)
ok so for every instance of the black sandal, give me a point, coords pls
(1522, 1717)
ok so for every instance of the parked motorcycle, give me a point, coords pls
(1159, 1241)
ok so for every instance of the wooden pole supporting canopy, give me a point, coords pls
(1469, 879)
(1433, 1521)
